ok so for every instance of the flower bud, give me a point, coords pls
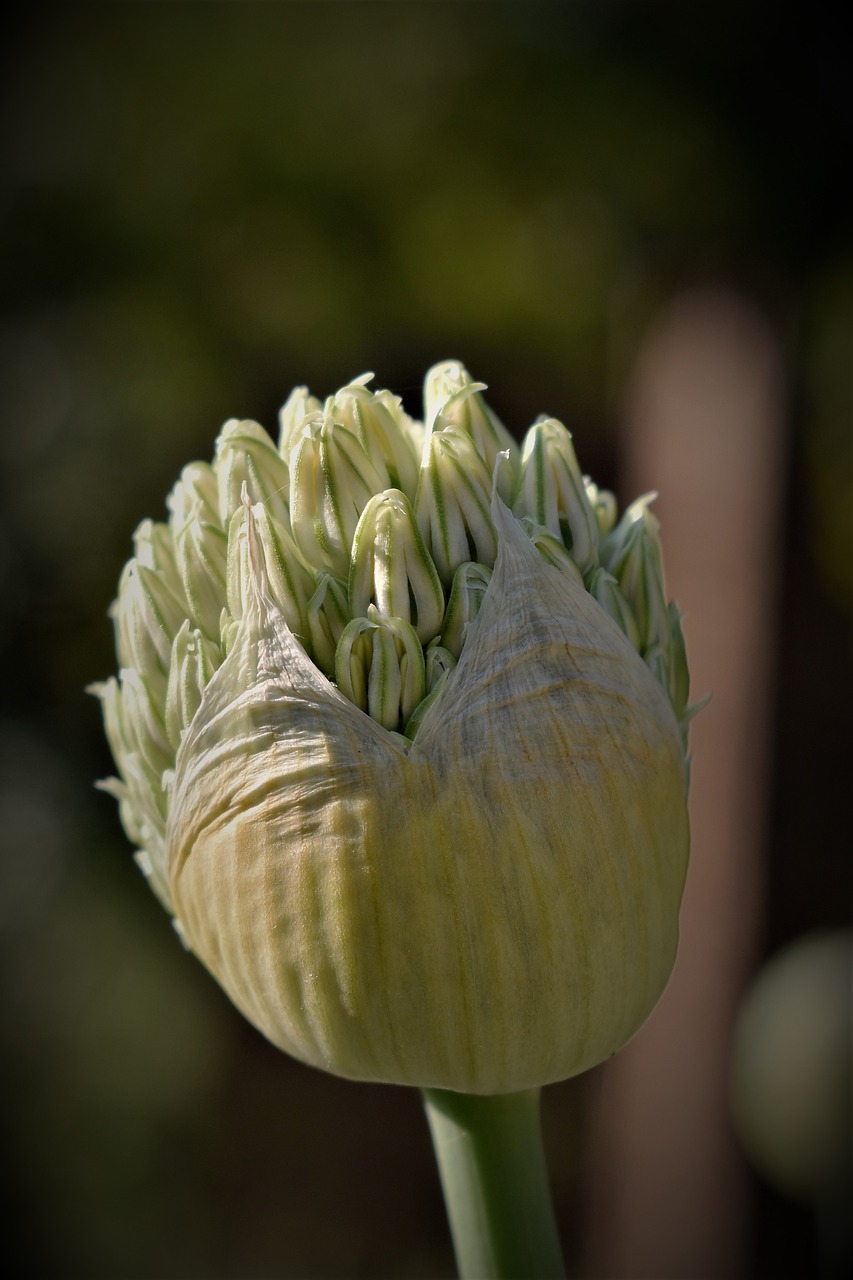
(379, 666)
(381, 427)
(195, 497)
(551, 490)
(552, 549)
(154, 547)
(331, 482)
(392, 567)
(632, 553)
(452, 399)
(466, 595)
(452, 503)
(603, 504)
(678, 680)
(298, 406)
(290, 583)
(604, 588)
(245, 455)
(144, 725)
(194, 660)
(147, 614)
(438, 664)
(200, 543)
(228, 628)
(410, 772)
(328, 614)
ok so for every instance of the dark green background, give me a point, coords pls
(205, 204)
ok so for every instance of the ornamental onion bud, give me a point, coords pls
(408, 767)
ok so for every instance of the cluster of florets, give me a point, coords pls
(378, 546)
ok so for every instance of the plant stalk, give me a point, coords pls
(495, 1182)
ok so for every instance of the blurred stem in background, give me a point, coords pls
(704, 422)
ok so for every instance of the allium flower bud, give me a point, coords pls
(408, 767)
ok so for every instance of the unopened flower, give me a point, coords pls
(399, 727)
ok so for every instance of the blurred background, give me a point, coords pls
(629, 215)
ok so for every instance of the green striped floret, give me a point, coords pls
(551, 490)
(452, 503)
(392, 568)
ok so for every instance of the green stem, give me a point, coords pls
(492, 1166)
